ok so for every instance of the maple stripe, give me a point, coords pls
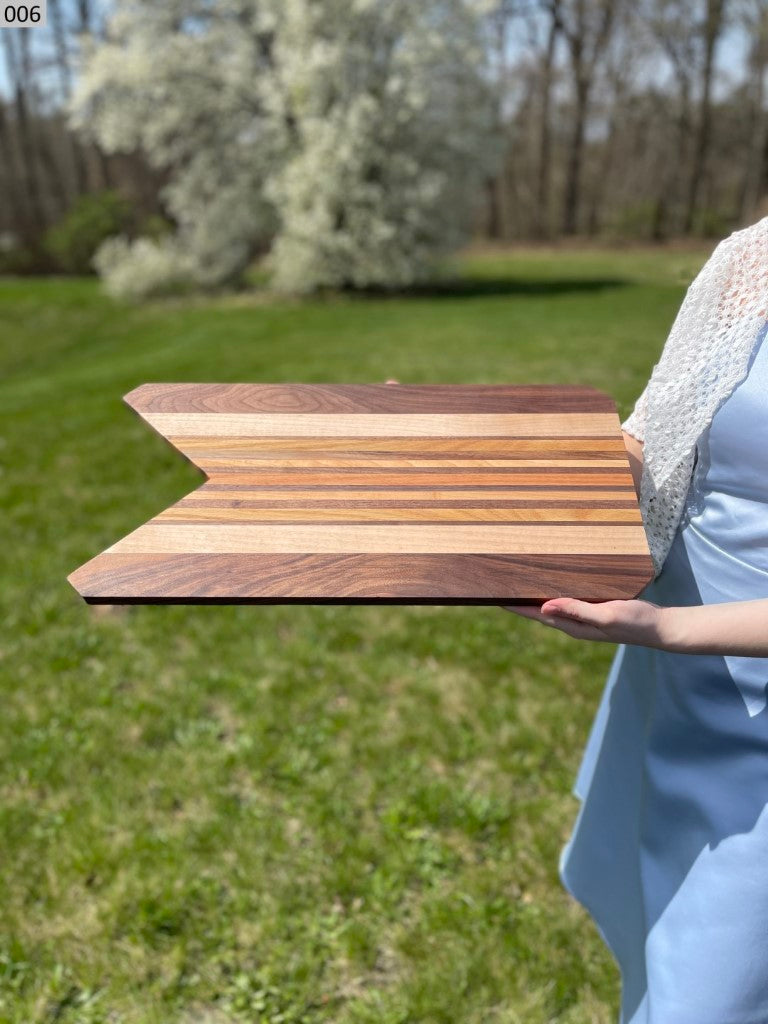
(432, 446)
(215, 491)
(166, 538)
(187, 514)
(177, 426)
(407, 502)
(426, 478)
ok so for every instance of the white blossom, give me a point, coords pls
(347, 137)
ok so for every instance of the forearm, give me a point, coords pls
(733, 627)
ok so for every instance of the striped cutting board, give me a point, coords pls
(384, 493)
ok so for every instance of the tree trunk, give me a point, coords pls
(493, 228)
(714, 24)
(541, 222)
(19, 214)
(606, 165)
(754, 165)
(670, 178)
(575, 155)
(77, 164)
(26, 146)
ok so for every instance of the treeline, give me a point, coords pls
(53, 183)
(614, 118)
(624, 117)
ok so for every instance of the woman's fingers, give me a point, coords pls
(531, 611)
(569, 624)
(601, 613)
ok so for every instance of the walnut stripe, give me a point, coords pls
(179, 425)
(186, 514)
(365, 398)
(490, 538)
(214, 462)
(357, 579)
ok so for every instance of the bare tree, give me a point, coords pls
(30, 179)
(542, 225)
(586, 26)
(754, 14)
(714, 20)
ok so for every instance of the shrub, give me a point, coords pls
(95, 217)
(144, 267)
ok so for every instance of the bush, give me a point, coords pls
(94, 218)
(144, 267)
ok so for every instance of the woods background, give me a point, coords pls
(615, 119)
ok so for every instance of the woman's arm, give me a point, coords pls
(733, 627)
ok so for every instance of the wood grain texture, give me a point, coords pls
(407, 494)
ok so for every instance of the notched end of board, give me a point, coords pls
(139, 401)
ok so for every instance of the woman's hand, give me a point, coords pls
(738, 628)
(618, 622)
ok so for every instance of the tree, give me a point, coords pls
(712, 26)
(755, 18)
(349, 137)
(587, 26)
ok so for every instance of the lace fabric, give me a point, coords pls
(705, 357)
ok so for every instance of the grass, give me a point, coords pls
(289, 815)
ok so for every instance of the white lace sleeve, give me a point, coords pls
(704, 358)
(634, 424)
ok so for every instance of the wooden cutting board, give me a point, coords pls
(384, 493)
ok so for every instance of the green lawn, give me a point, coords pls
(289, 814)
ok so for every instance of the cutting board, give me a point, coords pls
(384, 494)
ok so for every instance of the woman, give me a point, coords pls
(669, 851)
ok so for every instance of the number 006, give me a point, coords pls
(21, 14)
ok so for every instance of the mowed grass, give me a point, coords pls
(290, 814)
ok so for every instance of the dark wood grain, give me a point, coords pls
(360, 579)
(361, 398)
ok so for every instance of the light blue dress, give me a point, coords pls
(669, 851)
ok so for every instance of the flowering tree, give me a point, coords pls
(347, 136)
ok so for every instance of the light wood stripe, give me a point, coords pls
(213, 492)
(180, 425)
(185, 514)
(504, 446)
(433, 478)
(215, 463)
(365, 538)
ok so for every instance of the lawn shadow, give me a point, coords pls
(484, 287)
